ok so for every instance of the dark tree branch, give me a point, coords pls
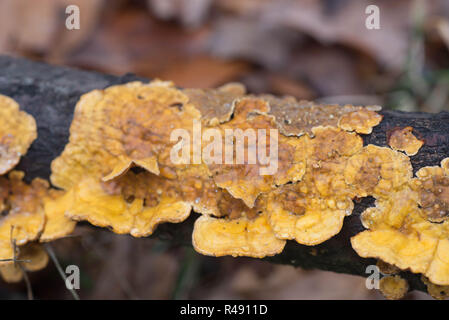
(50, 93)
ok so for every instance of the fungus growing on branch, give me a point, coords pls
(393, 287)
(17, 132)
(402, 139)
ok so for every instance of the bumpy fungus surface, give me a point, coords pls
(133, 203)
(31, 213)
(216, 105)
(436, 291)
(17, 132)
(296, 118)
(243, 180)
(127, 126)
(402, 139)
(25, 220)
(237, 237)
(408, 228)
(393, 287)
(312, 210)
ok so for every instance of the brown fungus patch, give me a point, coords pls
(436, 291)
(249, 134)
(296, 118)
(393, 287)
(377, 171)
(402, 139)
(432, 186)
(386, 268)
(17, 132)
(216, 105)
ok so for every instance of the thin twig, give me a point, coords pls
(18, 263)
(53, 257)
(27, 281)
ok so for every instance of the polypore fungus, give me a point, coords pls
(17, 132)
(402, 139)
(393, 287)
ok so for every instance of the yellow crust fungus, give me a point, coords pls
(135, 208)
(33, 213)
(402, 139)
(57, 225)
(243, 179)
(360, 121)
(408, 229)
(25, 220)
(32, 257)
(127, 126)
(251, 237)
(393, 287)
(120, 127)
(17, 132)
(312, 210)
(432, 186)
(377, 171)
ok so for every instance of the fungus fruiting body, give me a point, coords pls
(17, 132)
(118, 169)
(31, 257)
(393, 287)
(402, 139)
(409, 228)
(33, 213)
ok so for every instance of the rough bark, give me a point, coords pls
(50, 93)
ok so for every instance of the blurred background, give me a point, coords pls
(311, 49)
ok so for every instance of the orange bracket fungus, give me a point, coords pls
(17, 132)
(402, 139)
